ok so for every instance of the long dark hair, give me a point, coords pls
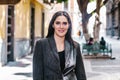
(51, 29)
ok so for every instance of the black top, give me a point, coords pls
(62, 59)
(102, 42)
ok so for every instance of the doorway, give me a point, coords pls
(32, 27)
(10, 33)
(42, 30)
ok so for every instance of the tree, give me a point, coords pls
(52, 1)
(86, 16)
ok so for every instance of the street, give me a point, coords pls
(96, 69)
(104, 69)
(19, 70)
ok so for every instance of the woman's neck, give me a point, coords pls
(59, 39)
(59, 43)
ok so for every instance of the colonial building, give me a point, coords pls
(20, 25)
(113, 18)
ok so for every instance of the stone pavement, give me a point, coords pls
(104, 69)
(18, 70)
(96, 69)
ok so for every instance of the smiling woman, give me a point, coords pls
(9, 1)
(58, 57)
(60, 26)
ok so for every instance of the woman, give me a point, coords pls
(58, 57)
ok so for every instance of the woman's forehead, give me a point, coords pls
(63, 18)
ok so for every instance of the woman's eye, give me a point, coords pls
(64, 23)
(57, 22)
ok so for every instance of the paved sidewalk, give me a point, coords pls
(19, 70)
(104, 69)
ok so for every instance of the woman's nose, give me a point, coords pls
(61, 25)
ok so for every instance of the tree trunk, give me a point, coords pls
(84, 27)
(96, 29)
(85, 16)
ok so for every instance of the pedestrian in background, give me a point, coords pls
(58, 57)
(80, 34)
(91, 41)
(102, 43)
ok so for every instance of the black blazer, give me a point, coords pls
(46, 63)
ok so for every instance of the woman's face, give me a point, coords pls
(60, 26)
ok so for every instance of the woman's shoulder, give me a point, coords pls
(76, 44)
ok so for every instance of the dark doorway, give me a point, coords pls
(10, 34)
(32, 28)
(43, 16)
(113, 21)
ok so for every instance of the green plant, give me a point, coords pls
(59, 1)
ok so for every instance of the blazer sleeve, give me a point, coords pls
(38, 62)
(79, 70)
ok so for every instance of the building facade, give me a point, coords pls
(113, 18)
(20, 25)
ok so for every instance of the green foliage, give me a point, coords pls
(59, 1)
(91, 0)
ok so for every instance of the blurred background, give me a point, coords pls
(22, 22)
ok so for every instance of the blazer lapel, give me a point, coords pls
(70, 55)
(53, 47)
(67, 52)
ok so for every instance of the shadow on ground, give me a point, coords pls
(29, 74)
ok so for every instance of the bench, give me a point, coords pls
(96, 49)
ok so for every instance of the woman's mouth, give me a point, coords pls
(61, 31)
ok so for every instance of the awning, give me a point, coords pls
(6, 2)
